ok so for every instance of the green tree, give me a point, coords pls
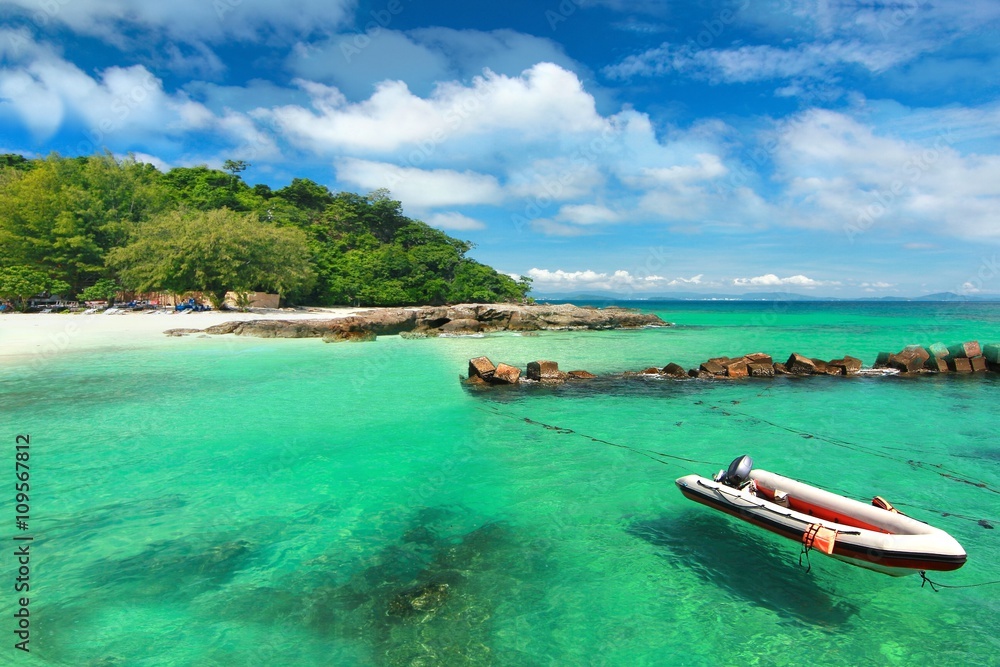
(235, 167)
(20, 283)
(214, 252)
(63, 215)
(103, 290)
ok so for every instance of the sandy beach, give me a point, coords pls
(26, 336)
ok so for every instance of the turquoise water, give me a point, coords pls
(231, 501)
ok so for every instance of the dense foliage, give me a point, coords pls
(19, 283)
(98, 221)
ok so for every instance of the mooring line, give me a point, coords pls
(648, 453)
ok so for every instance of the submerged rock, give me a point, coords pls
(423, 599)
(350, 337)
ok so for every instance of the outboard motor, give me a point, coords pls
(738, 473)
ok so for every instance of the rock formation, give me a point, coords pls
(460, 319)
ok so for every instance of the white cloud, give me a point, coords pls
(118, 107)
(588, 214)
(543, 100)
(588, 279)
(421, 57)
(878, 285)
(970, 287)
(188, 20)
(421, 188)
(550, 227)
(693, 280)
(453, 221)
(555, 179)
(771, 280)
(750, 63)
(842, 174)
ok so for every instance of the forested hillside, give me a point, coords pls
(101, 223)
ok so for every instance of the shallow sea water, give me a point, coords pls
(231, 501)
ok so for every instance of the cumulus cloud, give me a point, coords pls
(771, 280)
(116, 107)
(453, 221)
(589, 279)
(421, 188)
(693, 280)
(544, 99)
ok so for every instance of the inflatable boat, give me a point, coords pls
(876, 536)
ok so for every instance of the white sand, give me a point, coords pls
(37, 336)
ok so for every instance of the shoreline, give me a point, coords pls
(25, 336)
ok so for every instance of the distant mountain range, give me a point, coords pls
(758, 296)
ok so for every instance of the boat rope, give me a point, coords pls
(935, 586)
(648, 453)
(837, 442)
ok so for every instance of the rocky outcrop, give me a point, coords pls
(459, 319)
(350, 337)
(181, 332)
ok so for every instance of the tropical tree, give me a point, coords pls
(214, 252)
(103, 290)
(63, 215)
(20, 283)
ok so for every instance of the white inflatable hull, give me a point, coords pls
(866, 536)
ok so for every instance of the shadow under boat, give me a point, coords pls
(727, 557)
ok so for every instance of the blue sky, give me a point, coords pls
(820, 147)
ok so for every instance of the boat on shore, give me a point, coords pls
(874, 536)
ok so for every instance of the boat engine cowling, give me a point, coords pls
(738, 473)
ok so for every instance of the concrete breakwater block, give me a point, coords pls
(506, 374)
(968, 350)
(481, 367)
(992, 353)
(543, 370)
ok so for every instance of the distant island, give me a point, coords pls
(761, 296)
(96, 227)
